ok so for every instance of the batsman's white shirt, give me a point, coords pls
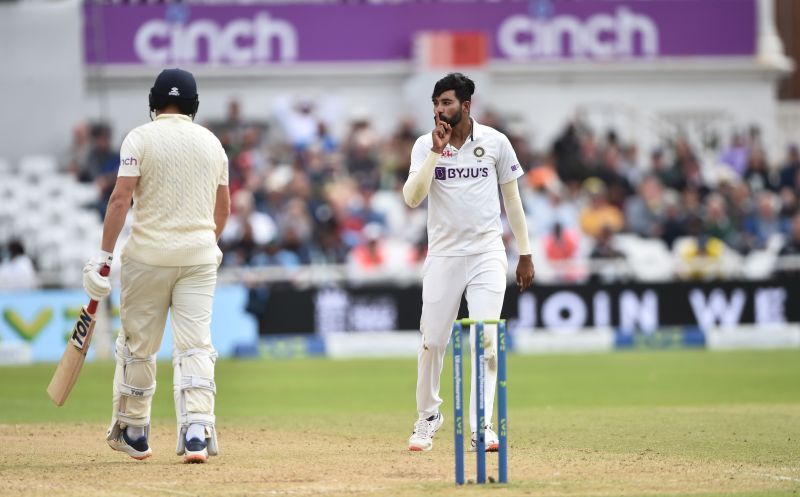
(180, 164)
(464, 198)
(169, 268)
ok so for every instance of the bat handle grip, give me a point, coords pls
(93, 303)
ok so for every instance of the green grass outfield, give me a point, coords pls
(723, 409)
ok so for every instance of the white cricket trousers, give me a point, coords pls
(147, 294)
(444, 280)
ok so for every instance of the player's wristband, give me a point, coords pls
(105, 258)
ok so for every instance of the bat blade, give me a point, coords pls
(69, 367)
(71, 363)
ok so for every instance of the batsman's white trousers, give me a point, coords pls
(444, 280)
(147, 294)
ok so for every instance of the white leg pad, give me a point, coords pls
(134, 370)
(194, 391)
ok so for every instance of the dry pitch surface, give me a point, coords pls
(49, 460)
(629, 424)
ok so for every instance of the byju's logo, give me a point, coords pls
(443, 173)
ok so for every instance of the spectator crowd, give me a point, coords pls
(303, 194)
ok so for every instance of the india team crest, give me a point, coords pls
(479, 152)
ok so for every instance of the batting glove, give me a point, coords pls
(96, 285)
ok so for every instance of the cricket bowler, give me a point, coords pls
(458, 167)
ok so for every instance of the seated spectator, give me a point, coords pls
(699, 256)
(17, 271)
(790, 252)
(234, 124)
(370, 255)
(378, 256)
(250, 163)
(736, 155)
(792, 244)
(560, 244)
(790, 204)
(301, 120)
(615, 178)
(669, 176)
(246, 230)
(549, 205)
(691, 176)
(294, 243)
(277, 253)
(603, 248)
(757, 174)
(643, 212)
(765, 222)
(567, 155)
(78, 154)
(102, 165)
(718, 224)
(102, 158)
(741, 203)
(361, 152)
(791, 168)
(561, 250)
(673, 224)
(599, 214)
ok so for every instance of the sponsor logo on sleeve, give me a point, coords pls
(515, 167)
(129, 161)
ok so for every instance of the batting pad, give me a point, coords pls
(194, 390)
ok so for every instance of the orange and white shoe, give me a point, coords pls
(196, 451)
(490, 437)
(424, 429)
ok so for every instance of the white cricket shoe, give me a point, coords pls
(137, 449)
(424, 429)
(492, 442)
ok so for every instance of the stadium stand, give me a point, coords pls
(697, 208)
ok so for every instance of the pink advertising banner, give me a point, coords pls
(244, 35)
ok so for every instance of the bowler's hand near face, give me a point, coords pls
(441, 135)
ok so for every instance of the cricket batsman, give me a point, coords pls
(458, 167)
(176, 174)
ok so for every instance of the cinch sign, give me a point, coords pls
(258, 34)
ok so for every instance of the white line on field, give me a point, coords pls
(779, 477)
(165, 490)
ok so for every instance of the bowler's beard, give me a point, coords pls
(452, 121)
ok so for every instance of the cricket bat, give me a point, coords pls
(72, 361)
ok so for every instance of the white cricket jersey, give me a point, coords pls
(180, 164)
(464, 198)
